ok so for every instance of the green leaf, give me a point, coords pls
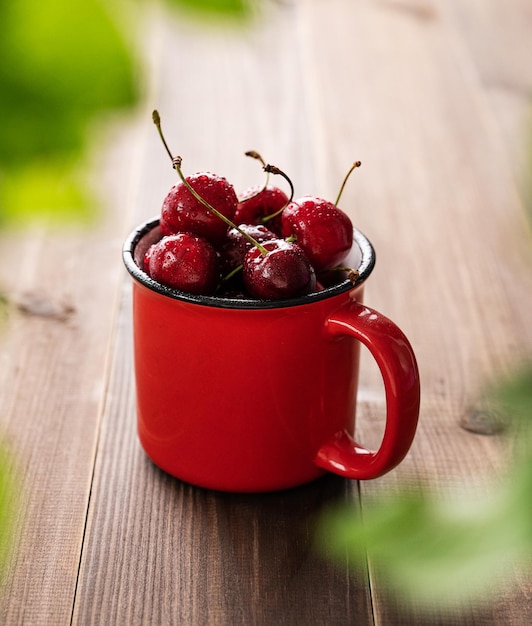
(62, 64)
(432, 551)
(48, 191)
(9, 503)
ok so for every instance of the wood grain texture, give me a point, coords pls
(52, 387)
(501, 49)
(431, 96)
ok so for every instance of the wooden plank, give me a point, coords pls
(497, 36)
(54, 357)
(156, 550)
(396, 88)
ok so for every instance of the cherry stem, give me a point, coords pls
(157, 121)
(255, 155)
(176, 164)
(352, 274)
(353, 167)
(233, 272)
(275, 170)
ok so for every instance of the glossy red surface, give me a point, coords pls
(397, 363)
(262, 399)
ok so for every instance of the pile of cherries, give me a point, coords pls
(261, 245)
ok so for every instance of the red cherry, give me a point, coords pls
(146, 259)
(236, 245)
(186, 262)
(323, 230)
(182, 212)
(257, 203)
(206, 204)
(282, 272)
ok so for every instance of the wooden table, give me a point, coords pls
(433, 97)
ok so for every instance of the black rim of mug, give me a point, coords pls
(365, 267)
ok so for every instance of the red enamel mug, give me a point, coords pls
(253, 396)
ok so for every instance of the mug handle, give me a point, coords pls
(341, 454)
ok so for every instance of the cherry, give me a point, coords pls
(274, 269)
(323, 230)
(283, 272)
(185, 262)
(257, 203)
(261, 205)
(183, 212)
(236, 244)
(146, 259)
(189, 205)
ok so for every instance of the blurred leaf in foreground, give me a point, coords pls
(51, 190)
(444, 552)
(8, 506)
(61, 64)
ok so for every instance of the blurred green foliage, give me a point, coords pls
(63, 65)
(8, 502)
(60, 64)
(448, 551)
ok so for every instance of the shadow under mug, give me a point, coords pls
(253, 396)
